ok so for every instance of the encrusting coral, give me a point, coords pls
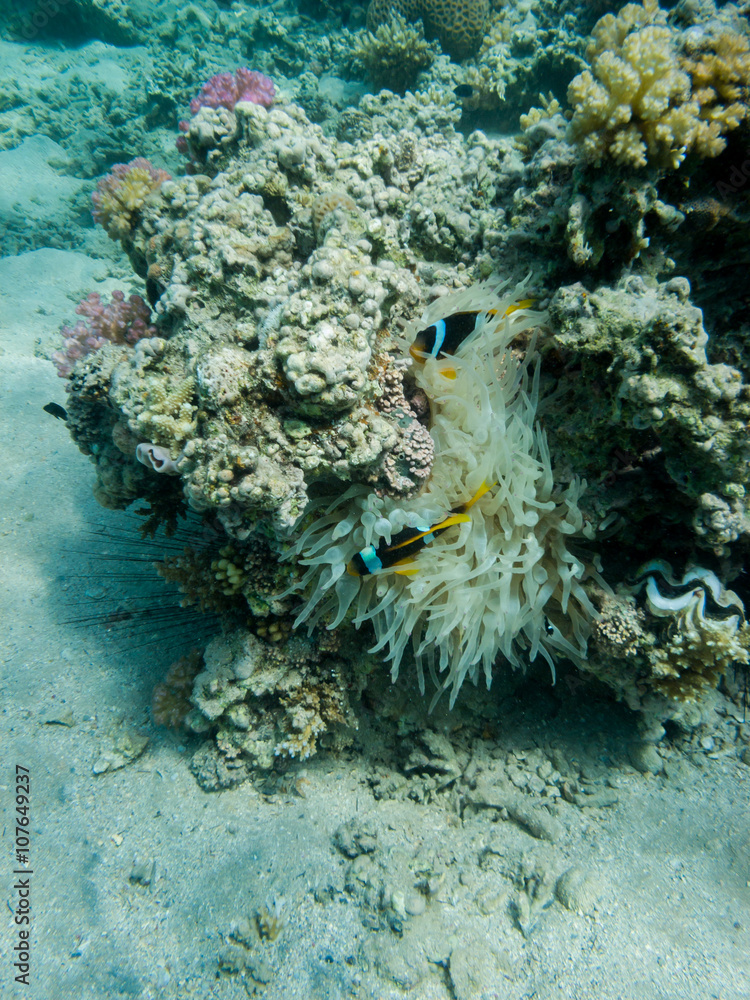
(268, 702)
(654, 94)
(644, 348)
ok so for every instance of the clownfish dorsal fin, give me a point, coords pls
(521, 304)
(458, 518)
(484, 488)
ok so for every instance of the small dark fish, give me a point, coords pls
(56, 410)
(463, 90)
(396, 554)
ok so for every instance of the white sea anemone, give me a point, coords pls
(502, 582)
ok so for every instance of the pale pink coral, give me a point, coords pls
(121, 322)
(120, 195)
(225, 90)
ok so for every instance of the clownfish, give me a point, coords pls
(445, 336)
(397, 554)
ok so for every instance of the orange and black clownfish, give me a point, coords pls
(445, 336)
(396, 555)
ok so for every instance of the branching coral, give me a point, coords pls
(457, 24)
(394, 54)
(644, 102)
(505, 580)
(120, 196)
(121, 322)
(718, 63)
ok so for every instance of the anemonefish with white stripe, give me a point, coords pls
(397, 554)
(445, 336)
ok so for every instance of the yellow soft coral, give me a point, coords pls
(719, 67)
(120, 195)
(645, 102)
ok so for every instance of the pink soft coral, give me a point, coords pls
(121, 322)
(226, 90)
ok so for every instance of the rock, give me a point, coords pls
(356, 837)
(124, 750)
(538, 822)
(213, 770)
(599, 798)
(476, 971)
(400, 960)
(259, 968)
(579, 889)
(645, 758)
(143, 871)
(232, 958)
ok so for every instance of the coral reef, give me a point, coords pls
(122, 321)
(287, 271)
(645, 102)
(291, 380)
(680, 419)
(266, 703)
(457, 24)
(120, 196)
